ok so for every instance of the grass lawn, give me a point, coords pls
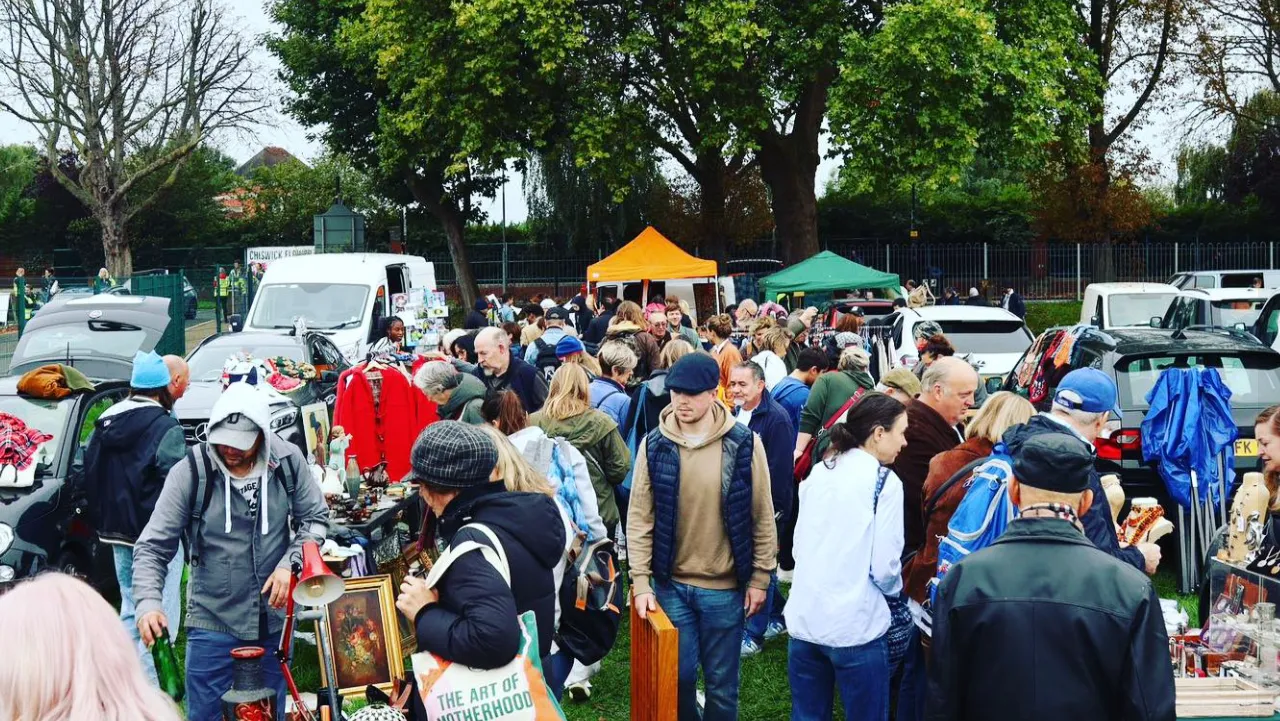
(1046, 314)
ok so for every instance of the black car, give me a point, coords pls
(208, 358)
(1135, 357)
(42, 525)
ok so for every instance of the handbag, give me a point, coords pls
(900, 621)
(516, 691)
(804, 464)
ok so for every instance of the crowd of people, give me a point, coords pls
(725, 461)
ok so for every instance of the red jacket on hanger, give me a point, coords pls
(386, 434)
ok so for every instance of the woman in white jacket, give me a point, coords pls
(848, 547)
(774, 344)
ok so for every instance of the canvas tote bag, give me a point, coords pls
(514, 692)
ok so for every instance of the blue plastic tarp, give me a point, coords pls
(1188, 424)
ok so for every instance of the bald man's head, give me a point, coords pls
(179, 375)
(493, 351)
(948, 387)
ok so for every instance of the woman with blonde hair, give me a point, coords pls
(755, 338)
(774, 344)
(568, 414)
(629, 327)
(1001, 412)
(1267, 430)
(71, 658)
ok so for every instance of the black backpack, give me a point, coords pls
(201, 470)
(628, 339)
(547, 363)
(591, 601)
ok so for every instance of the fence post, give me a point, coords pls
(504, 259)
(986, 264)
(1079, 272)
(1271, 255)
(1175, 257)
(886, 258)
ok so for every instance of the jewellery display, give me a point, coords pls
(1145, 523)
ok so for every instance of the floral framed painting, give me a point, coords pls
(364, 637)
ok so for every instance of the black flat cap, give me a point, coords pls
(1055, 462)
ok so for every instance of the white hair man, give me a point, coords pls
(500, 370)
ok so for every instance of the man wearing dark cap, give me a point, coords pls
(541, 353)
(1042, 625)
(470, 615)
(700, 532)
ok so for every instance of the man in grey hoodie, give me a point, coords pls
(240, 544)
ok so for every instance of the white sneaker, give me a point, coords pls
(579, 692)
(786, 576)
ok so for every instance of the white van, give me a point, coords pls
(343, 295)
(1124, 305)
(1225, 279)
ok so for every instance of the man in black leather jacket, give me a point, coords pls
(1041, 625)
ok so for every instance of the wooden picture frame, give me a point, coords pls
(398, 569)
(364, 636)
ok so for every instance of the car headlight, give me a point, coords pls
(284, 420)
(6, 537)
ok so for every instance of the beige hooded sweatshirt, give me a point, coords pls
(703, 557)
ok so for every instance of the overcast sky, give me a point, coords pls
(1160, 136)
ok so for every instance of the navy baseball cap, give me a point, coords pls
(1089, 390)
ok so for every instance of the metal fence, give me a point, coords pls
(1050, 271)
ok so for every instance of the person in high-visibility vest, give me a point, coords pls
(222, 289)
(103, 282)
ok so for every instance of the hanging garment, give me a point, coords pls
(383, 429)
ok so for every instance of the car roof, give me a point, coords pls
(964, 312)
(248, 339)
(1228, 293)
(1133, 341)
(1108, 288)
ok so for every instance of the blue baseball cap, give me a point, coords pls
(1089, 390)
(149, 371)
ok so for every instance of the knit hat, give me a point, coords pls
(848, 338)
(1054, 462)
(450, 454)
(926, 329)
(149, 371)
(568, 346)
(694, 373)
(902, 379)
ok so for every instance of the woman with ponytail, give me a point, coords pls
(848, 545)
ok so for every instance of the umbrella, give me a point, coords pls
(1189, 435)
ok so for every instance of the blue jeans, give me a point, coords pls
(860, 672)
(913, 685)
(209, 667)
(555, 669)
(770, 612)
(170, 600)
(710, 624)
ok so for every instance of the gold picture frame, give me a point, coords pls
(364, 636)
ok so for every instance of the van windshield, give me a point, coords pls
(325, 306)
(1136, 309)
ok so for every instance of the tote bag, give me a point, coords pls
(514, 692)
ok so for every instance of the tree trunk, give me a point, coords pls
(430, 192)
(790, 173)
(789, 166)
(713, 176)
(117, 254)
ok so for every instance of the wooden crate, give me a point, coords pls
(1217, 697)
(655, 667)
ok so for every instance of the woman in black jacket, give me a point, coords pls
(471, 616)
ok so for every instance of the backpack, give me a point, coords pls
(981, 517)
(591, 601)
(628, 339)
(546, 362)
(552, 459)
(202, 470)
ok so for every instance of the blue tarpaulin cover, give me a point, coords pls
(1188, 424)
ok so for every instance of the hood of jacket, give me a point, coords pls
(470, 389)
(724, 422)
(862, 378)
(1039, 424)
(531, 518)
(122, 424)
(621, 327)
(582, 430)
(657, 383)
(253, 403)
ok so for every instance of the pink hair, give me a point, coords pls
(71, 658)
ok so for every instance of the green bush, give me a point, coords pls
(1046, 314)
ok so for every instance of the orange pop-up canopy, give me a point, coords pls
(650, 256)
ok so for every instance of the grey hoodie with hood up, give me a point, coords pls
(239, 548)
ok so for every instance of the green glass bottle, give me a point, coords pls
(167, 670)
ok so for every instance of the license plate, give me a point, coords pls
(1247, 447)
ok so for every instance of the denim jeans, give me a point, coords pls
(555, 669)
(209, 666)
(710, 624)
(774, 604)
(913, 681)
(860, 672)
(170, 600)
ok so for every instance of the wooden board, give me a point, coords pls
(655, 667)
(1215, 697)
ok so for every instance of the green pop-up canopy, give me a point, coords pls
(826, 271)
